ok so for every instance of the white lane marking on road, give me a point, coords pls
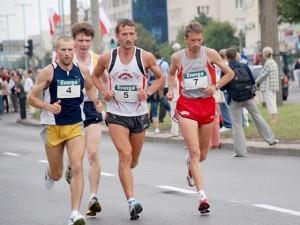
(10, 153)
(278, 209)
(171, 188)
(43, 161)
(107, 174)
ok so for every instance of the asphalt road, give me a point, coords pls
(256, 190)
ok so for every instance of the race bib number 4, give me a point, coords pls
(126, 93)
(195, 80)
(68, 88)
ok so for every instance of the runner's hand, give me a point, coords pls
(210, 90)
(108, 95)
(142, 95)
(170, 95)
(98, 105)
(55, 107)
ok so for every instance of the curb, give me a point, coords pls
(257, 147)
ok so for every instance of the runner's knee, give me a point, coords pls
(125, 158)
(93, 157)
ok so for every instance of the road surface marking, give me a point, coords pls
(176, 189)
(107, 174)
(10, 153)
(278, 209)
(43, 161)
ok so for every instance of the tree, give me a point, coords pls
(165, 50)
(213, 30)
(288, 11)
(203, 19)
(145, 40)
(219, 35)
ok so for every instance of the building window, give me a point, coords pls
(204, 9)
(115, 3)
(239, 4)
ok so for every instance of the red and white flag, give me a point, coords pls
(53, 19)
(104, 24)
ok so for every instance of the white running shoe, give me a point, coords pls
(189, 176)
(76, 219)
(49, 182)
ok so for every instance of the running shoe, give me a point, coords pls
(135, 208)
(203, 206)
(94, 207)
(189, 176)
(68, 175)
(76, 219)
(49, 182)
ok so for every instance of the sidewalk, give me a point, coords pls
(260, 147)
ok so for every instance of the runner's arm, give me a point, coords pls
(100, 75)
(215, 58)
(88, 84)
(42, 82)
(171, 75)
(159, 80)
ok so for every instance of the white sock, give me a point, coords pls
(131, 200)
(92, 195)
(202, 195)
(74, 212)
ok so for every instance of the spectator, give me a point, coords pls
(268, 82)
(21, 94)
(236, 109)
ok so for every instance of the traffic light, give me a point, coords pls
(29, 48)
(1, 47)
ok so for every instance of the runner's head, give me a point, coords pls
(65, 50)
(193, 33)
(83, 34)
(126, 33)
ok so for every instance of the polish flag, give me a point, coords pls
(104, 24)
(53, 19)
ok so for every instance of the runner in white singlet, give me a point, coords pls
(126, 95)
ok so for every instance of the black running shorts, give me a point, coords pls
(135, 124)
(91, 114)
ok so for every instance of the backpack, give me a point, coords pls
(241, 87)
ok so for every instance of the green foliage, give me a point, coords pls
(219, 35)
(166, 51)
(145, 40)
(203, 19)
(288, 11)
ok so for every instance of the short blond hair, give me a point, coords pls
(267, 52)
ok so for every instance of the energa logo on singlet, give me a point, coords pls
(195, 80)
(68, 88)
(195, 74)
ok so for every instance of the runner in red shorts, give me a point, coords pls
(196, 110)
